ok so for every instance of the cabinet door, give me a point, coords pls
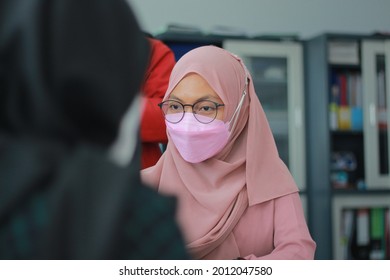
(376, 82)
(277, 71)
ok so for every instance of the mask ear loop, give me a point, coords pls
(244, 93)
(236, 112)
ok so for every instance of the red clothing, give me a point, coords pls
(153, 130)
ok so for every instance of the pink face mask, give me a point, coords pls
(197, 141)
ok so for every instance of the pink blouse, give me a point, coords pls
(271, 230)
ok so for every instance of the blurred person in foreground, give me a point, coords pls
(69, 188)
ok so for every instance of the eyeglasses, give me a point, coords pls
(205, 111)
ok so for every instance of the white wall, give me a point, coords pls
(304, 18)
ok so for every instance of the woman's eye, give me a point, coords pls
(174, 107)
(207, 108)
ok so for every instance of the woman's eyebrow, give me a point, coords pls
(204, 97)
(174, 97)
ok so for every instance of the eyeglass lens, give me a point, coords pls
(204, 111)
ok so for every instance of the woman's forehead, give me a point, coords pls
(195, 86)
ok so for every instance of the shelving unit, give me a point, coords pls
(360, 222)
(341, 131)
(376, 63)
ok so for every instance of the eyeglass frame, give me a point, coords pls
(217, 105)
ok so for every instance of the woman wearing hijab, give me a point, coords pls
(66, 191)
(236, 198)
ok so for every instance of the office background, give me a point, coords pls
(305, 18)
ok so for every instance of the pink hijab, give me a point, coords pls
(213, 195)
